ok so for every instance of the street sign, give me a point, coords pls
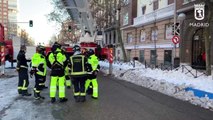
(175, 39)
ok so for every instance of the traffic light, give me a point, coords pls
(31, 23)
(69, 28)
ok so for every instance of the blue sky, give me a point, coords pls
(36, 10)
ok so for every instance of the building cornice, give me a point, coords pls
(185, 9)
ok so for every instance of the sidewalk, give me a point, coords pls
(172, 83)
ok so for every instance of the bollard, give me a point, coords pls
(110, 57)
(3, 60)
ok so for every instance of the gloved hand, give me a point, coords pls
(33, 71)
(95, 72)
(17, 69)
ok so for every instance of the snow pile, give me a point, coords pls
(172, 83)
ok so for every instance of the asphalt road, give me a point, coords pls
(120, 100)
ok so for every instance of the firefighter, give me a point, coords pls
(67, 69)
(78, 65)
(39, 69)
(22, 69)
(58, 62)
(91, 82)
(42, 84)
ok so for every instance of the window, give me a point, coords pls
(129, 37)
(143, 10)
(168, 32)
(142, 36)
(167, 57)
(155, 5)
(126, 19)
(154, 34)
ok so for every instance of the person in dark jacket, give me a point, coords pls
(78, 64)
(22, 69)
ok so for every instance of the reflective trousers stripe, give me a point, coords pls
(19, 88)
(82, 94)
(24, 86)
(77, 94)
(37, 91)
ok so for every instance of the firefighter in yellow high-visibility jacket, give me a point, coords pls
(58, 63)
(39, 69)
(91, 81)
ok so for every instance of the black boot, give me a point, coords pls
(38, 96)
(77, 98)
(25, 93)
(82, 98)
(63, 100)
(19, 91)
(35, 95)
(41, 97)
(53, 100)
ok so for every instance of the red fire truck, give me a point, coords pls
(102, 53)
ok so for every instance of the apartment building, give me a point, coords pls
(192, 34)
(4, 15)
(12, 18)
(128, 13)
(150, 41)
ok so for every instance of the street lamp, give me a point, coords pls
(181, 17)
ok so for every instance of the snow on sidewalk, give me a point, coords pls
(172, 83)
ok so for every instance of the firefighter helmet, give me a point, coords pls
(76, 48)
(40, 49)
(91, 52)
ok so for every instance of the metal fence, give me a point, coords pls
(195, 71)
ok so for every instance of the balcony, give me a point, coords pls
(160, 14)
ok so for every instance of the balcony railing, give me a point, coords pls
(159, 14)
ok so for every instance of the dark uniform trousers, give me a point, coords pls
(79, 84)
(38, 80)
(23, 80)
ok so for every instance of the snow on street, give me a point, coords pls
(172, 83)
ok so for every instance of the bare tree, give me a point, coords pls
(60, 16)
(104, 13)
